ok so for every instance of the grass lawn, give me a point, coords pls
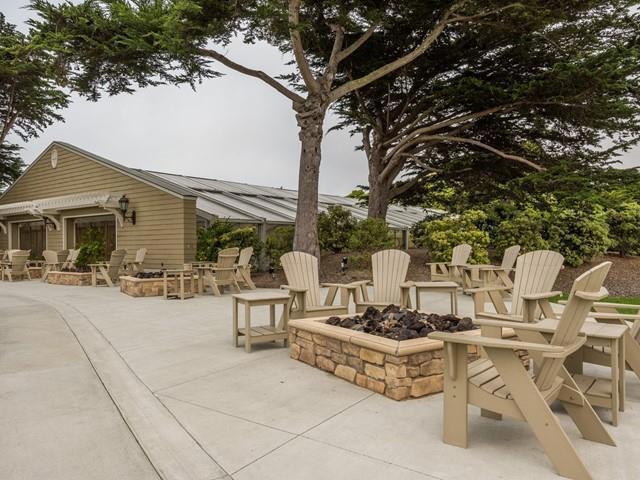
(627, 300)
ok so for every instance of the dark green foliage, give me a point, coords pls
(279, 241)
(92, 249)
(223, 234)
(29, 97)
(440, 236)
(334, 228)
(624, 228)
(371, 235)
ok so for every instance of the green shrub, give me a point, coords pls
(440, 236)
(526, 227)
(223, 234)
(279, 241)
(335, 226)
(92, 249)
(624, 228)
(371, 234)
(579, 234)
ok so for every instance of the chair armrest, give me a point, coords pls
(541, 296)
(224, 269)
(489, 342)
(593, 296)
(567, 349)
(437, 263)
(631, 306)
(407, 284)
(499, 317)
(516, 325)
(329, 284)
(359, 282)
(292, 289)
(491, 288)
(101, 264)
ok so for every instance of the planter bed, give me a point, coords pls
(78, 279)
(145, 287)
(398, 369)
(35, 272)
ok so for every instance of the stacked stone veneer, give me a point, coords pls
(69, 278)
(35, 272)
(148, 287)
(396, 375)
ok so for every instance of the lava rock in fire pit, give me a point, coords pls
(401, 324)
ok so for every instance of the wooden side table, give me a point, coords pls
(449, 287)
(260, 334)
(182, 278)
(600, 392)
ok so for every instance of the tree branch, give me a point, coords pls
(298, 50)
(252, 73)
(357, 44)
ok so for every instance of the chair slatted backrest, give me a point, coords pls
(115, 262)
(536, 272)
(226, 260)
(73, 256)
(140, 254)
(390, 269)
(11, 252)
(245, 256)
(572, 319)
(19, 261)
(510, 256)
(62, 256)
(460, 254)
(301, 270)
(50, 256)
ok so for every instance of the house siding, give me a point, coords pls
(165, 223)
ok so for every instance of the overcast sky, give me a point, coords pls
(231, 128)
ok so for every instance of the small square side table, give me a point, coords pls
(260, 334)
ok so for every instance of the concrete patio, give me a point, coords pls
(95, 384)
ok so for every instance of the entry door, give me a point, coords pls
(32, 236)
(102, 227)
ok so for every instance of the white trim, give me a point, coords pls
(64, 226)
(10, 231)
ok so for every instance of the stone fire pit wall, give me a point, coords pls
(399, 370)
(69, 278)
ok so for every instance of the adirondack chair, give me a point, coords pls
(17, 266)
(224, 275)
(243, 268)
(108, 271)
(475, 276)
(389, 268)
(500, 385)
(536, 272)
(51, 263)
(62, 256)
(451, 271)
(70, 261)
(303, 284)
(137, 265)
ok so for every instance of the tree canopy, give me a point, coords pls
(30, 99)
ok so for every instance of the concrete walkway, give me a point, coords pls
(264, 416)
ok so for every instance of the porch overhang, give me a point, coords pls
(51, 208)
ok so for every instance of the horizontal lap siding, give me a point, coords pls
(165, 224)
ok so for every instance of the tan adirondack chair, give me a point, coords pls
(500, 385)
(451, 271)
(17, 266)
(243, 269)
(108, 271)
(475, 276)
(389, 268)
(62, 256)
(303, 284)
(224, 274)
(137, 265)
(70, 261)
(51, 263)
(536, 272)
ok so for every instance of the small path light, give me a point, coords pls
(343, 264)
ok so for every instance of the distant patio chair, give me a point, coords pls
(389, 268)
(108, 271)
(451, 271)
(499, 384)
(243, 268)
(17, 266)
(62, 256)
(51, 263)
(137, 265)
(474, 275)
(224, 272)
(303, 284)
(70, 261)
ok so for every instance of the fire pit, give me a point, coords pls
(401, 324)
(371, 351)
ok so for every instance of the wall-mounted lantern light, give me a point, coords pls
(123, 204)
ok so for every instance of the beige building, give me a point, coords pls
(66, 191)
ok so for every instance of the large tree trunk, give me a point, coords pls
(310, 117)
(378, 189)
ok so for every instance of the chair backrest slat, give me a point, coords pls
(389, 268)
(226, 259)
(510, 256)
(460, 254)
(140, 254)
(62, 255)
(245, 256)
(572, 319)
(536, 272)
(301, 270)
(19, 261)
(50, 256)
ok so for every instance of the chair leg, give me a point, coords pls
(455, 417)
(246, 276)
(541, 419)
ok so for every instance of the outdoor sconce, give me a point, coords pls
(48, 224)
(123, 204)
